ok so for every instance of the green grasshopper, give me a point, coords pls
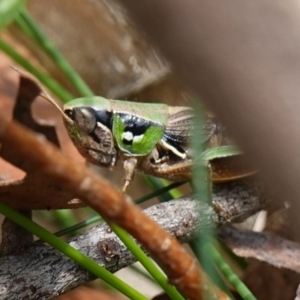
(151, 138)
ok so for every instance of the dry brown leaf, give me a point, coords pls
(35, 190)
(99, 194)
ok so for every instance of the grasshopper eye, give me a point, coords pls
(85, 119)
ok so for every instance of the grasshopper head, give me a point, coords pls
(90, 131)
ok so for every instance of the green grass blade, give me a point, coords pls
(175, 193)
(146, 262)
(202, 188)
(64, 217)
(226, 270)
(97, 218)
(78, 226)
(212, 271)
(66, 249)
(156, 184)
(73, 228)
(50, 83)
(159, 190)
(219, 152)
(31, 28)
(9, 9)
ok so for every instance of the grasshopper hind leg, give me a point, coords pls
(176, 171)
(180, 171)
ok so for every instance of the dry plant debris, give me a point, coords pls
(36, 190)
(239, 201)
(39, 154)
(181, 218)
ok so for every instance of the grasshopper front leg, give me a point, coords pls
(129, 168)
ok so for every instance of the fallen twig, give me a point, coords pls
(181, 269)
(57, 274)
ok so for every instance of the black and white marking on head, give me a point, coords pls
(135, 128)
(128, 138)
(104, 117)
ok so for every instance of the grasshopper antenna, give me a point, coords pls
(46, 96)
